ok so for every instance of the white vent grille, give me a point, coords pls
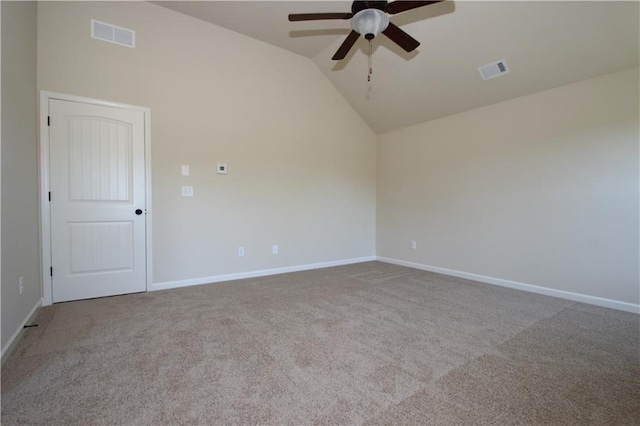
(493, 70)
(113, 34)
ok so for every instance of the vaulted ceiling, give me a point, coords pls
(546, 44)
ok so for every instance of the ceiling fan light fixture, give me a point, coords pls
(370, 22)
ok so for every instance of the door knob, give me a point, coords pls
(138, 212)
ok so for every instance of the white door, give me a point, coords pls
(97, 183)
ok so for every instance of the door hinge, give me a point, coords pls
(48, 120)
(51, 271)
(49, 196)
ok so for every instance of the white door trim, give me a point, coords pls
(45, 211)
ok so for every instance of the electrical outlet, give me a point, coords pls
(274, 249)
(21, 284)
(240, 251)
(414, 245)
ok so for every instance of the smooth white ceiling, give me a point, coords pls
(545, 44)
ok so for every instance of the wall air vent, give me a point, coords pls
(113, 34)
(493, 70)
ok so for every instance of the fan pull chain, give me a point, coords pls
(370, 63)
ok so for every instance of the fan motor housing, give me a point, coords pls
(357, 6)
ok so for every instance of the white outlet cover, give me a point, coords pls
(187, 191)
(185, 170)
(274, 249)
(221, 168)
(240, 251)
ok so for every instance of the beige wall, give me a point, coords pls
(20, 250)
(301, 161)
(541, 190)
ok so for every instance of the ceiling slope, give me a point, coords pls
(545, 44)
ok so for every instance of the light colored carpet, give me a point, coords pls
(360, 344)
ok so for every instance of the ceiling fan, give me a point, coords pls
(369, 19)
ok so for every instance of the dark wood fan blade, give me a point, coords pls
(401, 38)
(318, 16)
(402, 6)
(346, 45)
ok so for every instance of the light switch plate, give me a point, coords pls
(185, 170)
(221, 169)
(187, 191)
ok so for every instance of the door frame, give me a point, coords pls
(45, 207)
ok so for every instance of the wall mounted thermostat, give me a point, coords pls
(221, 169)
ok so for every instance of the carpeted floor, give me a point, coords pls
(370, 343)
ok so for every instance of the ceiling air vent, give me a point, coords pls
(493, 70)
(113, 33)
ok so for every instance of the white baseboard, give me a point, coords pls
(576, 297)
(253, 274)
(15, 335)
